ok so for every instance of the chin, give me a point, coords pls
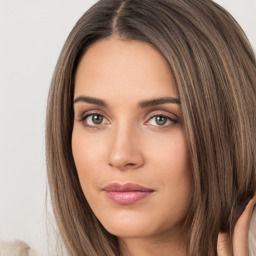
(126, 225)
(132, 226)
(127, 232)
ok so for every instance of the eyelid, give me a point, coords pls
(86, 114)
(172, 118)
(162, 113)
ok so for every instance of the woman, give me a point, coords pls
(151, 131)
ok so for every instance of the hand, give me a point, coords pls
(238, 246)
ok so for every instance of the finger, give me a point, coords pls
(240, 237)
(224, 245)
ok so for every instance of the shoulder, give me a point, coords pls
(15, 248)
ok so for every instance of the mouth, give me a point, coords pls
(126, 194)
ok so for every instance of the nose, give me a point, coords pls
(125, 150)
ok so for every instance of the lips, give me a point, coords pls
(127, 193)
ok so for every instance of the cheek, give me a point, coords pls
(86, 156)
(171, 165)
(166, 168)
(170, 153)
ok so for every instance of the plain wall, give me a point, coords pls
(32, 34)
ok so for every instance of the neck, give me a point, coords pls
(161, 244)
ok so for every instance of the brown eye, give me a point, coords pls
(161, 120)
(94, 120)
(97, 119)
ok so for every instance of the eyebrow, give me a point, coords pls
(142, 104)
(90, 100)
(158, 101)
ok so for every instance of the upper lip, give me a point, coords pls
(117, 187)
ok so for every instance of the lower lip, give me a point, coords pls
(127, 197)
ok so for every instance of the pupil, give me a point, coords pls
(97, 119)
(161, 120)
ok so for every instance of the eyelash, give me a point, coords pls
(168, 119)
(84, 118)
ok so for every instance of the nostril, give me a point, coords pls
(125, 157)
(124, 166)
(130, 164)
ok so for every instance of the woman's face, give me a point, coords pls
(128, 141)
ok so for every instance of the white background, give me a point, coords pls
(32, 34)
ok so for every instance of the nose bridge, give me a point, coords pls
(125, 151)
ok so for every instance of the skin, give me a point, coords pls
(238, 244)
(130, 146)
(126, 143)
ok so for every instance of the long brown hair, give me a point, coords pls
(215, 71)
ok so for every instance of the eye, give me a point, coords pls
(161, 120)
(93, 120)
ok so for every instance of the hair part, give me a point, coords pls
(215, 72)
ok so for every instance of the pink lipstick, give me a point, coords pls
(126, 194)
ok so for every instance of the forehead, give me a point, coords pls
(114, 67)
